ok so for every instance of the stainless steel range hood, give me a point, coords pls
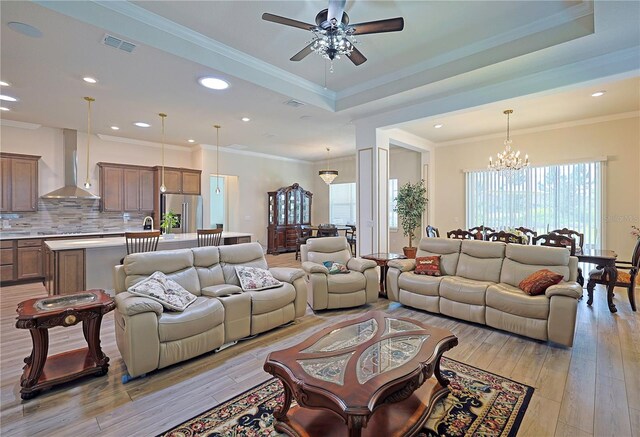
(71, 190)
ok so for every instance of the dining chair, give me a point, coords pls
(506, 237)
(303, 233)
(209, 237)
(556, 240)
(529, 233)
(480, 232)
(578, 237)
(327, 230)
(136, 242)
(350, 233)
(627, 276)
(461, 234)
(432, 232)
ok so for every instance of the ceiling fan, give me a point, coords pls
(333, 36)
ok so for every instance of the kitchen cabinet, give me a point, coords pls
(179, 180)
(126, 188)
(29, 259)
(289, 210)
(19, 182)
(7, 261)
(64, 271)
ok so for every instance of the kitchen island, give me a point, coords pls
(77, 265)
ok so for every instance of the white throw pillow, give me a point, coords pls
(254, 278)
(163, 290)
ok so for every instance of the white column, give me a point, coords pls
(372, 149)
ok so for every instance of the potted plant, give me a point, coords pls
(410, 204)
(169, 220)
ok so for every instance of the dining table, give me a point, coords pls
(604, 259)
(314, 229)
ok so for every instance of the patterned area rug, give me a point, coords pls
(480, 403)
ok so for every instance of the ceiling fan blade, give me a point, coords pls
(357, 57)
(302, 53)
(287, 21)
(336, 10)
(389, 25)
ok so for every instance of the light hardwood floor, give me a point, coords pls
(590, 389)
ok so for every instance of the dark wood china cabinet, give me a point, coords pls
(289, 210)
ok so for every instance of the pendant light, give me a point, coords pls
(217, 126)
(87, 183)
(163, 187)
(328, 175)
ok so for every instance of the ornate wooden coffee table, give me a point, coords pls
(369, 376)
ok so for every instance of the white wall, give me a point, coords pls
(618, 140)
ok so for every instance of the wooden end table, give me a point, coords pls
(373, 373)
(40, 314)
(382, 259)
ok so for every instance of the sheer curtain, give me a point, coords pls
(539, 198)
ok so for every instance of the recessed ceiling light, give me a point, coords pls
(4, 108)
(245, 119)
(191, 141)
(598, 94)
(89, 79)
(213, 83)
(438, 126)
(115, 128)
(8, 98)
(25, 29)
(3, 83)
(142, 124)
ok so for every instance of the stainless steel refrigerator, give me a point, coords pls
(188, 208)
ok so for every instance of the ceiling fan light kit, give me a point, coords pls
(333, 35)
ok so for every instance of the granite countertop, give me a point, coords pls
(15, 234)
(93, 243)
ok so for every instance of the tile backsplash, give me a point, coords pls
(72, 215)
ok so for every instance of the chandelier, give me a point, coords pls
(328, 175)
(333, 42)
(508, 160)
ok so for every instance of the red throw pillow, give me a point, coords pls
(538, 282)
(428, 265)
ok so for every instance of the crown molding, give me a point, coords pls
(548, 127)
(209, 147)
(19, 124)
(143, 143)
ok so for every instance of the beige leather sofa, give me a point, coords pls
(325, 291)
(480, 284)
(150, 338)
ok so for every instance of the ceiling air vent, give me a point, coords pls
(293, 103)
(118, 43)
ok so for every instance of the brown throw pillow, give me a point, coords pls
(538, 282)
(428, 265)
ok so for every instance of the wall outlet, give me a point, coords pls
(126, 217)
(6, 224)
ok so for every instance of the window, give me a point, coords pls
(393, 193)
(218, 201)
(539, 198)
(342, 203)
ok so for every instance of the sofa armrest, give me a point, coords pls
(569, 289)
(286, 274)
(221, 290)
(310, 267)
(404, 265)
(119, 279)
(130, 305)
(360, 264)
